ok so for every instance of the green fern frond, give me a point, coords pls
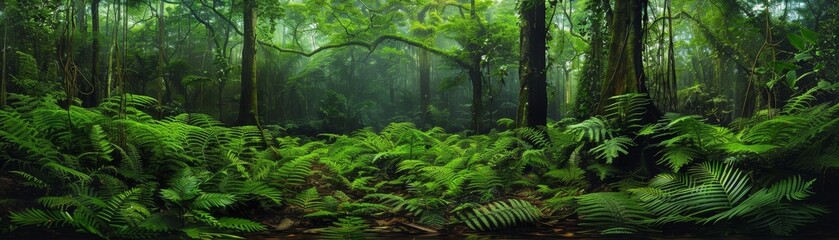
(102, 147)
(500, 214)
(295, 172)
(784, 219)
(535, 136)
(117, 203)
(801, 102)
(261, 190)
(308, 200)
(506, 123)
(567, 175)
(66, 171)
(160, 223)
(58, 202)
(678, 156)
(31, 180)
(213, 200)
(240, 224)
(613, 213)
(185, 187)
(41, 218)
(627, 109)
(593, 130)
(612, 148)
(347, 228)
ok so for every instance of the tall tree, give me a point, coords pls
(589, 87)
(3, 70)
(247, 104)
(161, 51)
(426, 35)
(625, 69)
(533, 95)
(90, 91)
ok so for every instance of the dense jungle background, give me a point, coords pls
(352, 119)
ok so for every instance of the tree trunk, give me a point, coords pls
(625, 74)
(625, 68)
(161, 51)
(425, 86)
(3, 71)
(590, 84)
(247, 102)
(621, 74)
(533, 96)
(91, 96)
(81, 24)
(477, 98)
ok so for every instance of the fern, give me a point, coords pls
(294, 172)
(801, 102)
(500, 214)
(308, 200)
(41, 218)
(678, 156)
(612, 148)
(613, 213)
(213, 200)
(31, 180)
(101, 146)
(238, 224)
(628, 109)
(346, 228)
(593, 130)
(713, 192)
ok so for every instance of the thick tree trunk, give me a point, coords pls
(477, 98)
(625, 74)
(533, 96)
(248, 100)
(425, 86)
(625, 68)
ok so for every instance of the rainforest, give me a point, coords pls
(419, 119)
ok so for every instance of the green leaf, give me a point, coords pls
(792, 78)
(798, 42)
(211, 200)
(809, 35)
(824, 84)
(803, 57)
(781, 66)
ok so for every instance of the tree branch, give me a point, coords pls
(371, 46)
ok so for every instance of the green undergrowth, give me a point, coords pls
(116, 172)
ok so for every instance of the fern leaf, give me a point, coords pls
(612, 213)
(501, 214)
(612, 148)
(41, 218)
(240, 224)
(214, 200)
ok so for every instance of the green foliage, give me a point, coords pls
(347, 228)
(714, 192)
(613, 212)
(612, 148)
(107, 184)
(500, 214)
